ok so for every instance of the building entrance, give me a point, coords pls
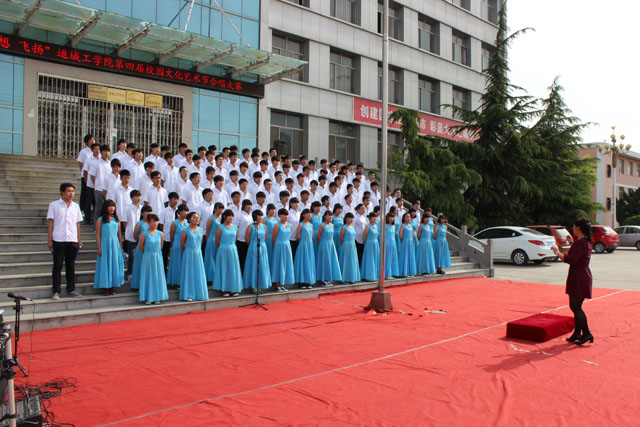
(70, 109)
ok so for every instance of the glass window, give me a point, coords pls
(344, 72)
(396, 87)
(490, 10)
(465, 4)
(347, 10)
(287, 133)
(487, 50)
(462, 98)
(621, 166)
(461, 47)
(215, 23)
(144, 10)
(248, 119)
(395, 20)
(251, 8)
(11, 97)
(429, 34)
(251, 32)
(292, 47)
(233, 6)
(229, 116)
(429, 94)
(228, 32)
(395, 144)
(638, 169)
(304, 3)
(630, 168)
(343, 142)
(120, 7)
(6, 119)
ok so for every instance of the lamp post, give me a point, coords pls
(614, 149)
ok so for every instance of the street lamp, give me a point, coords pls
(614, 149)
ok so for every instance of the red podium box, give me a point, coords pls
(540, 327)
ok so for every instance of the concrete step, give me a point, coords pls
(41, 320)
(24, 213)
(38, 165)
(12, 221)
(42, 256)
(18, 228)
(37, 279)
(33, 174)
(19, 158)
(44, 291)
(27, 268)
(88, 242)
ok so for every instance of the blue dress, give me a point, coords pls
(304, 266)
(227, 277)
(416, 225)
(316, 220)
(110, 265)
(407, 252)
(137, 259)
(270, 222)
(327, 263)
(441, 249)
(251, 274)
(210, 250)
(370, 265)
(153, 286)
(338, 223)
(349, 256)
(390, 252)
(175, 257)
(193, 280)
(425, 263)
(281, 257)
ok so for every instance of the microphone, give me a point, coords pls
(14, 296)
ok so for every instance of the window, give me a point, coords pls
(490, 10)
(608, 171)
(621, 166)
(287, 133)
(292, 47)
(11, 104)
(638, 169)
(429, 94)
(344, 72)
(304, 3)
(465, 4)
(395, 20)
(347, 10)
(396, 87)
(462, 98)
(461, 47)
(487, 51)
(429, 34)
(630, 168)
(608, 203)
(395, 144)
(343, 142)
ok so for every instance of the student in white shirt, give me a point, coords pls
(264, 166)
(89, 199)
(162, 162)
(144, 182)
(359, 224)
(129, 221)
(205, 210)
(375, 194)
(170, 172)
(122, 195)
(220, 169)
(156, 196)
(261, 203)
(84, 154)
(182, 181)
(244, 167)
(268, 192)
(294, 221)
(100, 168)
(167, 216)
(274, 167)
(219, 193)
(305, 202)
(314, 194)
(334, 195)
(236, 207)
(357, 191)
(300, 185)
(323, 187)
(208, 181)
(243, 183)
(326, 204)
(232, 184)
(244, 222)
(209, 160)
(192, 196)
(232, 164)
(154, 156)
(64, 238)
(179, 159)
(112, 181)
(289, 183)
(348, 206)
(283, 202)
(121, 154)
(255, 186)
(136, 167)
(278, 184)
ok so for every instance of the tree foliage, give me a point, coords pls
(628, 205)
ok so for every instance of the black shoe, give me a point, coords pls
(574, 337)
(584, 338)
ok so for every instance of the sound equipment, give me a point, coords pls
(28, 412)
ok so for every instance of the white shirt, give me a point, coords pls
(131, 217)
(222, 172)
(236, 214)
(315, 197)
(293, 220)
(205, 210)
(230, 187)
(193, 196)
(253, 189)
(89, 168)
(179, 160)
(167, 216)
(120, 155)
(111, 183)
(84, 154)
(245, 220)
(359, 223)
(137, 174)
(122, 198)
(179, 186)
(65, 220)
(156, 198)
(170, 174)
(153, 159)
(221, 196)
(229, 167)
(102, 169)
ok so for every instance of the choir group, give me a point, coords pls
(245, 221)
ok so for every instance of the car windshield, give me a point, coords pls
(562, 233)
(608, 230)
(530, 231)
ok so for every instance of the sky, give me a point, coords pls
(591, 46)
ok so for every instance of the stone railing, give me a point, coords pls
(468, 245)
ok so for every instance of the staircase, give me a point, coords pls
(28, 185)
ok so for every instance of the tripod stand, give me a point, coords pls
(18, 309)
(257, 302)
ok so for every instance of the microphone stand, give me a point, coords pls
(18, 310)
(257, 302)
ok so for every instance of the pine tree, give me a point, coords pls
(628, 205)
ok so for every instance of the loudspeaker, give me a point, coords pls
(28, 411)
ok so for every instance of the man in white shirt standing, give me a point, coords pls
(129, 221)
(205, 210)
(84, 154)
(136, 167)
(167, 216)
(156, 196)
(100, 172)
(359, 223)
(244, 222)
(64, 239)
(89, 199)
(180, 160)
(170, 172)
(193, 193)
(219, 193)
(111, 182)
(294, 221)
(122, 195)
(121, 154)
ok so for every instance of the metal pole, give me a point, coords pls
(614, 163)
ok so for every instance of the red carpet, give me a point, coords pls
(327, 362)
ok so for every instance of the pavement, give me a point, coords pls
(617, 270)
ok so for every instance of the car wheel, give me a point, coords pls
(519, 257)
(638, 245)
(556, 259)
(599, 247)
(538, 261)
(610, 250)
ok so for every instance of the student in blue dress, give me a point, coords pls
(397, 223)
(281, 258)
(193, 280)
(407, 250)
(316, 220)
(304, 265)
(140, 228)
(391, 249)
(228, 276)
(153, 286)
(441, 247)
(370, 265)
(338, 222)
(327, 263)
(175, 258)
(210, 249)
(348, 252)
(270, 221)
(253, 277)
(110, 263)
(425, 263)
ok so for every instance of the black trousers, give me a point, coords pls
(580, 318)
(242, 253)
(360, 249)
(64, 253)
(294, 247)
(83, 192)
(129, 247)
(89, 202)
(166, 250)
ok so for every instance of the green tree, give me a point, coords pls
(628, 205)
(430, 172)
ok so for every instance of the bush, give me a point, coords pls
(632, 220)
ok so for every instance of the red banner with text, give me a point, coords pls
(370, 112)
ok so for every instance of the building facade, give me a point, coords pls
(627, 176)
(301, 75)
